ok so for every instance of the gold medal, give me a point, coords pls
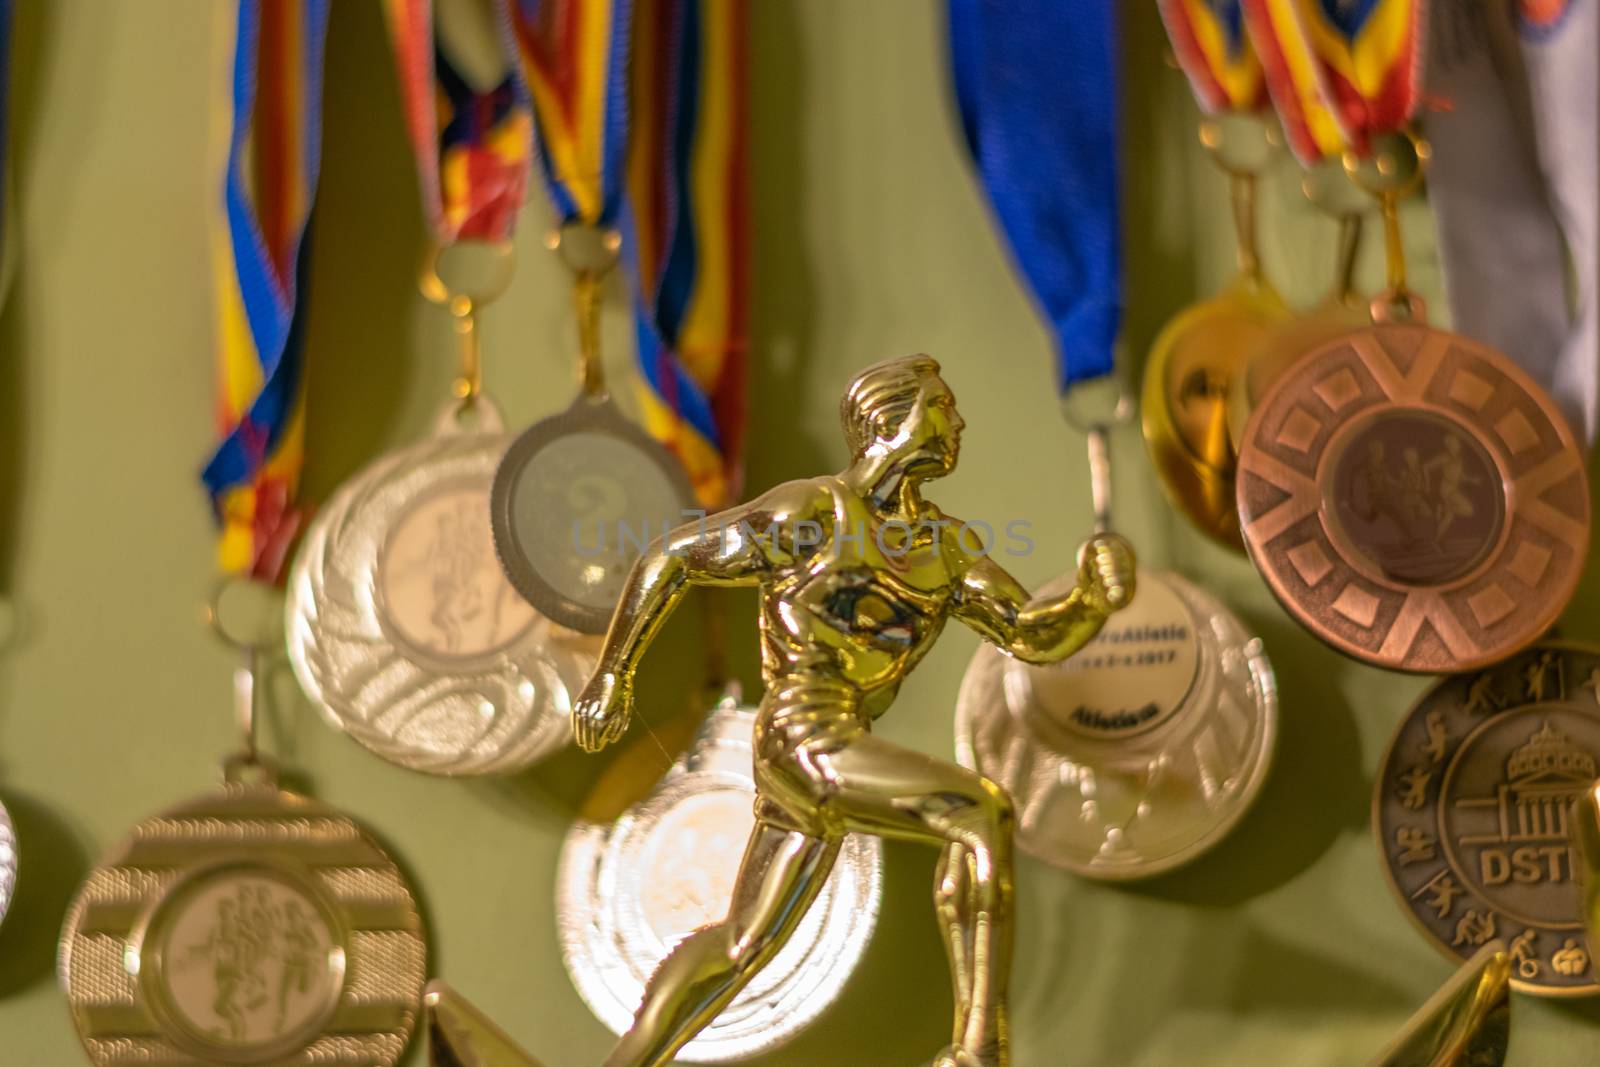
(1197, 356)
(251, 925)
(248, 926)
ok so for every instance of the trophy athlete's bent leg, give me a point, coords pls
(782, 873)
(880, 788)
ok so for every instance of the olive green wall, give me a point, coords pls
(1283, 946)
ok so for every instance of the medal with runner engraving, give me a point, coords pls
(1139, 753)
(402, 628)
(1410, 495)
(252, 925)
(629, 890)
(579, 495)
(1472, 811)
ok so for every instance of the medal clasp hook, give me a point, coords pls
(464, 302)
(590, 253)
(245, 628)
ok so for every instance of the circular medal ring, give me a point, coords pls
(628, 891)
(1414, 499)
(252, 926)
(9, 857)
(575, 501)
(1472, 806)
(403, 630)
(1140, 752)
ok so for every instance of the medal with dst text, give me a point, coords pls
(629, 890)
(1410, 495)
(1473, 812)
(579, 495)
(252, 925)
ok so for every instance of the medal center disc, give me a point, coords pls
(1508, 796)
(440, 581)
(1131, 679)
(584, 507)
(1417, 497)
(245, 963)
(690, 861)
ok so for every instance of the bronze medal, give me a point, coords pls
(1472, 812)
(1414, 499)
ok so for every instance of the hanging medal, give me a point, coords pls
(402, 628)
(629, 890)
(1147, 746)
(579, 495)
(1198, 354)
(250, 925)
(1409, 494)
(1473, 812)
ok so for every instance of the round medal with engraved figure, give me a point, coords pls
(1414, 499)
(1472, 806)
(1138, 753)
(629, 890)
(253, 926)
(403, 629)
(576, 499)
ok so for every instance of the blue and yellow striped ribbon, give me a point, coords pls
(573, 56)
(260, 253)
(688, 234)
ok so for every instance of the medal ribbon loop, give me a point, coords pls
(1041, 124)
(688, 233)
(274, 95)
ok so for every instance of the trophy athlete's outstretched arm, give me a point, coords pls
(740, 546)
(1045, 630)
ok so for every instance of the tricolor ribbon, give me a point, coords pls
(472, 147)
(1212, 46)
(1036, 82)
(274, 95)
(1295, 78)
(1368, 57)
(573, 57)
(688, 233)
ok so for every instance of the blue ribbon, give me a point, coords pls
(1036, 82)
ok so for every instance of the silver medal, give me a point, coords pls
(8, 861)
(1141, 751)
(575, 501)
(403, 630)
(630, 890)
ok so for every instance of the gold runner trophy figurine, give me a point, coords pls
(858, 574)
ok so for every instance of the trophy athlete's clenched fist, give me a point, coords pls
(1106, 571)
(603, 709)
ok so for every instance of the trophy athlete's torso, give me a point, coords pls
(857, 597)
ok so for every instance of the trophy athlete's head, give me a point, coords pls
(900, 415)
